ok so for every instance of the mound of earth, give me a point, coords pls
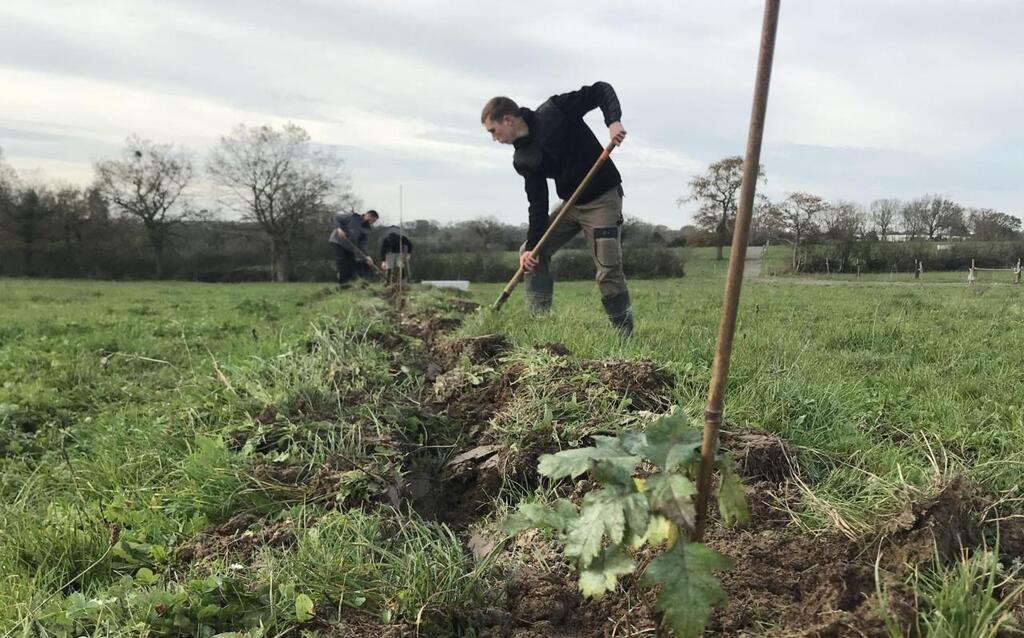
(647, 384)
(759, 456)
(785, 581)
(553, 347)
(472, 396)
(477, 350)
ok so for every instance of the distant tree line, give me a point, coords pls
(803, 219)
(141, 219)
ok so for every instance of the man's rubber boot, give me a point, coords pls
(539, 292)
(620, 313)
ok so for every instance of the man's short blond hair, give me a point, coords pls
(497, 108)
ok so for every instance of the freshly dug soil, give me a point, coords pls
(645, 383)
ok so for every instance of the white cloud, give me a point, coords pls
(397, 87)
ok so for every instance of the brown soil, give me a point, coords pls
(472, 397)
(941, 524)
(237, 540)
(477, 350)
(791, 583)
(785, 582)
(427, 326)
(554, 348)
(647, 384)
(759, 456)
(1010, 534)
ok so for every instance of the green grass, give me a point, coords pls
(142, 413)
(886, 388)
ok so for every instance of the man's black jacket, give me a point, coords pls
(392, 244)
(561, 146)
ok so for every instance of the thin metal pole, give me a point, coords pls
(734, 281)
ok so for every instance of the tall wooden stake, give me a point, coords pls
(734, 280)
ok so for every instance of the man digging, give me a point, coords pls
(553, 142)
(350, 235)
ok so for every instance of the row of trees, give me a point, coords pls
(141, 217)
(275, 178)
(285, 190)
(801, 217)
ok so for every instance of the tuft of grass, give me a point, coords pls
(393, 566)
(975, 597)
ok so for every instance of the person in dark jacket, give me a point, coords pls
(394, 256)
(553, 142)
(350, 231)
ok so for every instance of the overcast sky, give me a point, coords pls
(869, 99)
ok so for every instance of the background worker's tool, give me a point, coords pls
(566, 207)
(360, 254)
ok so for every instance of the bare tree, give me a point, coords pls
(883, 215)
(149, 183)
(989, 225)
(487, 229)
(281, 182)
(930, 215)
(769, 221)
(913, 214)
(715, 193)
(75, 208)
(843, 221)
(801, 212)
(843, 224)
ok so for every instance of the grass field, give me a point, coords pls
(189, 459)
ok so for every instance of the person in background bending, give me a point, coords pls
(394, 256)
(350, 234)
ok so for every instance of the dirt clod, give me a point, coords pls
(759, 456)
(941, 524)
(554, 348)
(647, 384)
(533, 597)
(482, 349)
(472, 397)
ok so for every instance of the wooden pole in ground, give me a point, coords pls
(734, 281)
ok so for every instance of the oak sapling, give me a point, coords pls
(635, 506)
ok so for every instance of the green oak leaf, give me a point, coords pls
(574, 462)
(672, 496)
(671, 442)
(602, 573)
(556, 516)
(303, 608)
(633, 442)
(689, 589)
(601, 513)
(732, 500)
